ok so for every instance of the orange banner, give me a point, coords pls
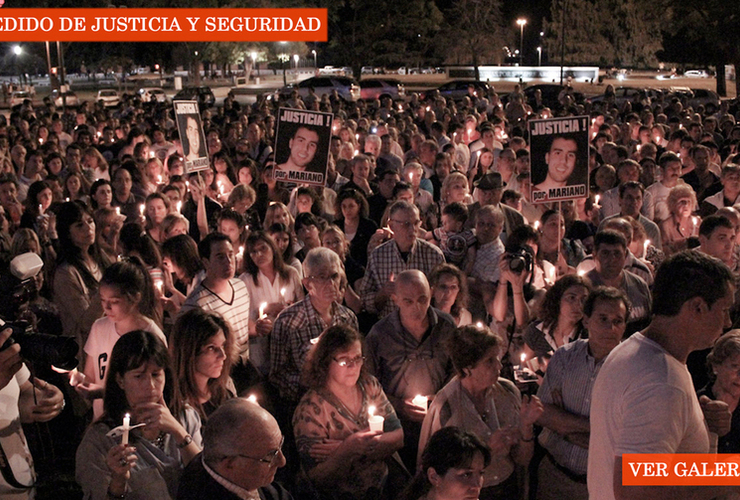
(689, 469)
(163, 25)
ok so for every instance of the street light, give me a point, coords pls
(315, 63)
(521, 22)
(539, 56)
(17, 50)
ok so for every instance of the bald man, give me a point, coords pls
(242, 450)
(406, 352)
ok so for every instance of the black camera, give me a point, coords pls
(520, 259)
(35, 347)
(41, 348)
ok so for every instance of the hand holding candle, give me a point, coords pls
(420, 401)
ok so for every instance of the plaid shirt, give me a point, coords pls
(386, 259)
(290, 341)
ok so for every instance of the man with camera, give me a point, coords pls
(23, 400)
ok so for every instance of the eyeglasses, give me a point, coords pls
(268, 459)
(350, 362)
(407, 224)
(323, 280)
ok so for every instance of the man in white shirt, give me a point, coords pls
(643, 400)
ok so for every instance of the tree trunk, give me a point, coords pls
(475, 64)
(721, 81)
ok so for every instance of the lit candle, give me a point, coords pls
(695, 220)
(240, 253)
(552, 275)
(159, 179)
(252, 398)
(99, 133)
(477, 160)
(581, 272)
(159, 286)
(411, 177)
(179, 206)
(41, 208)
(141, 209)
(428, 108)
(357, 137)
(638, 147)
(262, 310)
(282, 293)
(375, 421)
(118, 210)
(596, 200)
(536, 225)
(645, 248)
(522, 359)
(420, 401)
(126, 424)
(314, 340)
(479, 324)
(151, 154)
(400, 108)
(357, 151)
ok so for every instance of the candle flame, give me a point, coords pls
(371, 410)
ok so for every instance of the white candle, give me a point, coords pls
(262, 310)
(141, 209)
(159, 179)
(411, 177)
(596, 202)
(118, 210)
(159, 286)
(522, 359)
(375, 421)
(536, 225)
(282, 294)
(420, 401)
(179, 206)
(126, 424)
(240, 253)
(645, 248)
(695, 220)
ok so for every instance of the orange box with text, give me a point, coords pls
(676, 469)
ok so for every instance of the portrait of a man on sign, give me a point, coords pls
(191, 135)
(302, 146)
(559, 156)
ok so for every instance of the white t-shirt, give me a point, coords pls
(13, 441)
(103, 336)
(266, 292)
(643, 401)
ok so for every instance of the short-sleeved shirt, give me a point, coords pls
(235, 312)
(321, 415)
(571, 372)
(643, 401)
(405, 366)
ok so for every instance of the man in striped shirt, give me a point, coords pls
(566, 394)
(221, 293)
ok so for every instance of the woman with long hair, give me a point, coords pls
(128, 300)
(138, 390)
(202, 350)
(559, 321)
(157, 206)
(38, 200)
(272, 286)
(95, 162)
(285, 241)
(180, 257)
(449, 287)
(80, 266)
(352, 217)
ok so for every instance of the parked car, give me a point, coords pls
(109, 97)
(69, 96)
(631, 94)
(17, 98)
(376, 88)
(346, 87)
(696, 73)
(459, 89)
(707, 98)
(204, 95)
(150, 94)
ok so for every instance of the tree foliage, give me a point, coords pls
(605, 32)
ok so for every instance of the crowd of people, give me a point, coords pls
(416, 328)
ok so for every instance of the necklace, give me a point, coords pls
(159, 441)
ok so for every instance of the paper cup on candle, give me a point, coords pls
(420, 401)
(375, 421)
